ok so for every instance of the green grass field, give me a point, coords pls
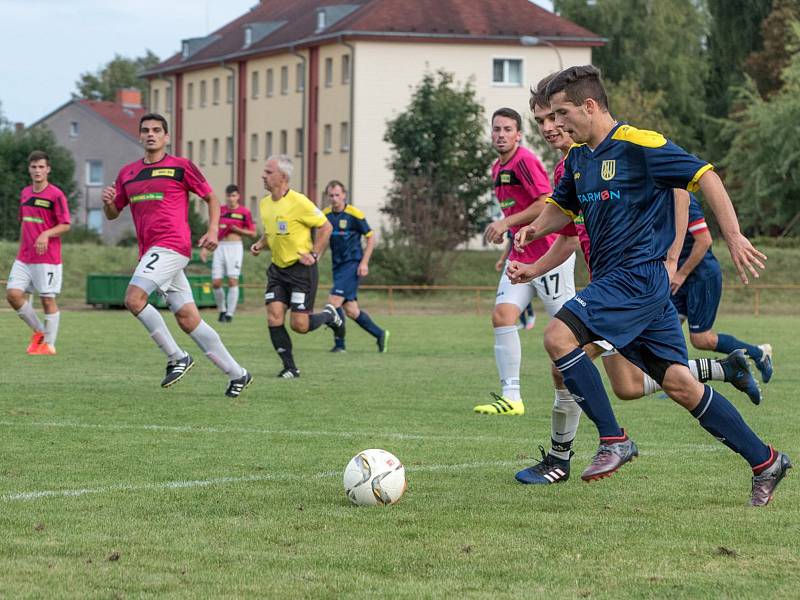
(113, 487)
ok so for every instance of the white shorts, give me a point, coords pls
(554, 288)
(42, 278)
(227, 260)
(161, 269)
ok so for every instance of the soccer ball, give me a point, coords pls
(374, 477)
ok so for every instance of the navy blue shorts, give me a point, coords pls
(345, 280)
(630, 308)
(698, 300)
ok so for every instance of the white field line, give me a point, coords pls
(184, 484)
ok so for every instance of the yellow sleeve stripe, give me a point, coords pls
(369, 234)
(640, 137)
(694, 184)
(326, 210)
(569, 213)
(352, 210)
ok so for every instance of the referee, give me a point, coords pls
(289, 217)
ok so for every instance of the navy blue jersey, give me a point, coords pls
(348, 227)
(625, 190)
(708, 266)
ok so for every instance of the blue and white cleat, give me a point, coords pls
(765, 364)
(549, 470)
(737, 373)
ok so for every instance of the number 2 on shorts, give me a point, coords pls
(149, 266)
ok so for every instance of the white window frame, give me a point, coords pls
(270, 82)
(74, 129)
(253, 146)
(345, 133)
(329, 71)
(254, 85)
(89, 181)
(327, 139)
(506, 71)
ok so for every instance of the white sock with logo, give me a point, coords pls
(51, 328)
(508, 355)
(28, 314)
(211, 344)
(564, 424)
(157, 328)
(233, 299)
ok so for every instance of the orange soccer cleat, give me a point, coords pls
(37, 339)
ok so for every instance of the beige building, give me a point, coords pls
(319, 81)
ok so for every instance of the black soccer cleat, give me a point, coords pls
(383, 342)
(338, 349)
(764, 483)
(289, 373)
(737, 373)
(336, 323)
(221, 318)
(228, 318)
(549, 470)
(237, 386)
(176, 371)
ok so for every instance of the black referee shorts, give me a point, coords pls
(295, 286)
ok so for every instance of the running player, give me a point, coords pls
(622, 178)
(350, 263)
(697, 290)
(521, 187)
(157, 189)
(235, 221)
(44, 217)
(289, 218)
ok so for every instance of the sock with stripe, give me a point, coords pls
(233, 299)
(219, 298)
(583, 379)
(211, 344)
(339, 341)
(563, 424)
(706, 369)
(719, 418)
(282, 344)
(650, 385)
(316, 320)
(368, 324)
(28, 314)
(157, 328)
(51, 322)
(508, 356)
(727, 344)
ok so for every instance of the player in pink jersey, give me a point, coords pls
(627, 380)
(44, 217)
(235, 221)
(157, 190)
(521, 186)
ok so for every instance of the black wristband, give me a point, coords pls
(316, 256)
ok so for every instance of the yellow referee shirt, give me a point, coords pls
(287, 225)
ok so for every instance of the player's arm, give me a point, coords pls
(702, 242)
(42, 240)
(745, 256)
(495, 231)
(551, 219)
(210, 240)
(261, 244)
(242, 231)
(681, 225)
(109, 203)
(363, 266)
(561, 250)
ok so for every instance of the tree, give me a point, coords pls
(120, 73)
(763, 161)
(438, 198)
(765, 66)
(14, 150)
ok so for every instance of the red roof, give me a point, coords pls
(122, 117)
(499, 21)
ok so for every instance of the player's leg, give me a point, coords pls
(217, 273)
(276, 298)
(234, 253)
(47, 282)
(360, 316)
(20, 281)
(337, 301)
(304, 281)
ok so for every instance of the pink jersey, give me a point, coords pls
(239, 216)
(577, 227)
(38, 212)
(518, 184)
(159, 197)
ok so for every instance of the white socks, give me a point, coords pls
(51, 328)
(564, 424)
(210, 343)
(233, 299)
(157, 328)
(508, 355)
(219, 298)
(28, 314)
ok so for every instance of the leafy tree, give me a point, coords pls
(121, 72)
(763, 161)
(14, 150)
(658, 44)
(440, 160)
(765, 66)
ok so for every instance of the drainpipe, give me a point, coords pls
(294, 51)
(352, 113)
(232, 71)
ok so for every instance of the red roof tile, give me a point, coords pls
(121, 117)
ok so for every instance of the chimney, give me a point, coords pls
(129, 97)
(19, 127)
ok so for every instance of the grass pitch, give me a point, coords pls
(113, 487)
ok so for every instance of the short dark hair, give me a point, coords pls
(38, 155)
(335, 183)
(231, 189)
(154, 117)
(578, 84)
(509, 113)
(539, 95)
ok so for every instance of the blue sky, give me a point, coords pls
(47, 44)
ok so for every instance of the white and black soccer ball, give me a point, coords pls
(374, 477)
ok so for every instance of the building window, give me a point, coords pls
(328, 72)
(190, 96)
(94, 220)
(344, 133)
(327, 139)
(215, 151)
(345, 68)
(301, 76)
(229, 89)
(155, 101)
(202, 153)
(284, 142)
(507, 71)
(203, 94)
(284, 80)
(248, 36)
(94, 172)
(168, 100)
(254, 146)
(254, 84)
(74, 129)
(229, 150)
(298, 142)
(215, 90)
(190, 151)
(268, 144)
(270, 83)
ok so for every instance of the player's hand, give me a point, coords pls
(676, 281)
(204, 255)
(524, 237)
(209, 241)
(109, 193)
(498, 266)
(255, 249)
(519, 272)
(41, 243)
(495, 231)
(363, 269)
(745, 256)
(307, 259)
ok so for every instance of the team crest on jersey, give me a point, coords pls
(283, 227)
(608, 169)
(342, 223)
(577, 176)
